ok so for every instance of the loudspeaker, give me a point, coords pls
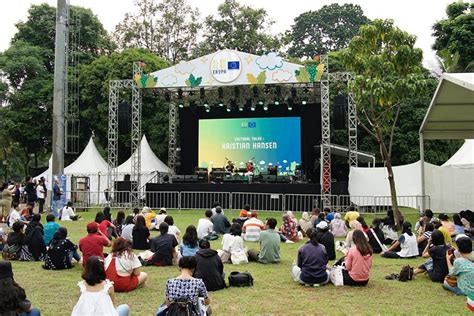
(124, 113)
(269, 178)
(339, 111)
(177, 179)
(191, 178)
(283, 179)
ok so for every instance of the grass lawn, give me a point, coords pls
(274, 292)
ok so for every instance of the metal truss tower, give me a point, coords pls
(325, 135)
(172, 136)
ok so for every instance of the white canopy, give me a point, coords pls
(89, 162)
(464, 157)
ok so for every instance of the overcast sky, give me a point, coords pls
(413, 16)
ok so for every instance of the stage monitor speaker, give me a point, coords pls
(269, 178)
(191, 178)
(283, 179)
(126, 177)
(177, 179)
(339, 111)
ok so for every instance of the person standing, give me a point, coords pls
(40, 195)
(6, 201)
(56, 205)
(269, 245)
(30, 190)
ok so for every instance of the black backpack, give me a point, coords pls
(240, 279)
(406, 274)
(182, 307)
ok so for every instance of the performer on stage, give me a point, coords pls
(250, 169)
(230, 166)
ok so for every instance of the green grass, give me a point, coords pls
(273, 293)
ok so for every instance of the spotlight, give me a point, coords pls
(221, 104)
(303, 102)
(260, 102)
(181, 105)
(180, 98)
(206, 104)
(228, 108)
(276, 102)
(265, 107)
(208, 110)
(290, 104)
(252, 108)
(241, 107)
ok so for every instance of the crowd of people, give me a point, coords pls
(445, 244)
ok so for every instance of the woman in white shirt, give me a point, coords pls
(232, 243)
(97, 293)
(127, 229)
(172, 229)
(67, 213)
(123, 267)
(406, 243)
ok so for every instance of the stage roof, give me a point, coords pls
(230, 68)
(343, 151)
(451, 112)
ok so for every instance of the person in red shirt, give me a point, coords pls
(93, 244)
(105, 226)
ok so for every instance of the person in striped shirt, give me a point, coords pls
(252, 228)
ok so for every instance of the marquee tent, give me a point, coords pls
(464, 157)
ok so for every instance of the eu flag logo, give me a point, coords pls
(252, 124)
(233, 65)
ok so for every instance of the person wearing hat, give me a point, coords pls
(93, 244)
(12, 296)
(160, 218)
(326, 238)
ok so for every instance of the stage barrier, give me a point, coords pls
(237, 200)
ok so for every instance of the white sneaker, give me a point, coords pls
(289, 242)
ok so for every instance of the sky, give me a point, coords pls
(414, 16)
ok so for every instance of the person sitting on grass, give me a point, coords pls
(105, 226)
(67, 213)
(244, 215)
(50, 228)
(27, 212)
(304, 223)
(209, 267)
(205, 226)
(122, 267)
(190, 244)
(172, 228)
(60, 252)
(13, 299)
(186, 288)
(424, 236)
(149, 216)
(15, 247)
(163, 248)
(326, 238)
(458, 225)
(119, 222)
(358, 261)
(376, 237)
(365, 227)
(107, 214)
(35, 239)
(435, 249)
(462, 269)
(252, 228)
(425, 218)
(127, 228)
(311, 263)
(337, 226)
(231, 242)
(93, 244)
(269, 245)
(97, 293)
(351, 215)
(15, 216)
(289, 228)
(160, 218)
(389, 229)
(220, 221)
(141, 234)
(406, 242)
(354, 225)
(447, 224)
(135, 214)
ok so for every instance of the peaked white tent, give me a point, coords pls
(464, 157)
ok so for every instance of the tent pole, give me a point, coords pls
(422, 169)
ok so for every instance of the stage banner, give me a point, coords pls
(267, 142)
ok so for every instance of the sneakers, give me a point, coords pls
(289, 242)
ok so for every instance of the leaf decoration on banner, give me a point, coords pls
(137, 79)
(312, 72)
(320, 68)
(251, 78)
(302, 75)
(193, 82)
(262, 77)
(151, 81)
(145, 81)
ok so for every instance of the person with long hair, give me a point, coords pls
(231, 242)
(105, 226)
(172, 228)
(122, 267)
(358, 261)
(190, 244)
(13, 299)
(406, 242)
(35, 239)
(60, 251)
(311, 263)
(97, 292)
(289, 228)
(424, 236)
(127, 228)
(119, 222)
(435, 249)
(107, 214)
(365, 227)
(141, 234)
(376, 236)
(458, 225)
(353, 225)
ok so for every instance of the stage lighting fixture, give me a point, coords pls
(241, 107)
(260, 102)
(303, 102)
(228, 108)
(202, 93)
(290, 104)
(221, 104)
(265, 107)
(293, 92)
(255, 91)
(208, 110)
(276, 102)
(180, 98)
(181, 105)
(167, 96)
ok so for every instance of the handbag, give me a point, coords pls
(238, 257)
(11, 252)
(451, 280)
(406, 274)
(382, 246)
(336, 275)
(240, 279)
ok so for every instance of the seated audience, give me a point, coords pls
(358, 261)
(67, 213)
(329, 214)
(13, 299)
(425, 218)
(105, 226)
(376, 237)
(326, 238)
(424, 236)
(406, 242)
(122, 267)
(462, 269)
(365, 227)
(97, 293)
(190, 244)
(140, 234)
(353, 225)
(34, 239)
(232, 242)
(209, 267)
(127, 228)
(338, 226)
(15, 216)
(93, 244)
(458, 225)
(269, 245)
(252, 228)
(50, 228)
(119, 222)
(305, 223)
(435, 249)
(389, 230)
(214, 208)
(172, 228)
(439, 226)
(149, 216)
(220, 221)
(205, 226)
(311, 263)
(351, 215)
(289, 228)
(107, 214)
(163, 247)
(243, 216)
(160, 218)
(447, 224)
(136, 213)
(60, 252)
(15, 247)
(27, 212)
(186, 288)
(315, 216)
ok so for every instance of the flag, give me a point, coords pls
(233, 65)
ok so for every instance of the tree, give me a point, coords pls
(387, 71)
(327, 29)
(168, 28)
(238, 27)
(455, 36)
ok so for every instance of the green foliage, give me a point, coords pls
(455, 35)
(193, 82)
(327, 29)
(238, 27)
(168, 28)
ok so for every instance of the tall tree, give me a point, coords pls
(238, 27)
(455, 37)
(327, 29)
(387, 71)
(168, 28)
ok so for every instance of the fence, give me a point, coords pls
(237, 200)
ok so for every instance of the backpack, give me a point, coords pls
(240, 279)
(406, 274)
(11, 252)
(182, 307)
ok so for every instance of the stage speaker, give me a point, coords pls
(126, 177)
(177, 179)
(124, 113)
(283, 179)
(339, 111)
(191, 178)
(272, 170)
(269, 178)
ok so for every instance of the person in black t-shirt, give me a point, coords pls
(163, 247)
(140, 234)
(209, 267)
(376, 236)
(326, 238)
(436, 267)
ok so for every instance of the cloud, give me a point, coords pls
(184, 68)
(281, 75)
(270, 61)
(169, 80)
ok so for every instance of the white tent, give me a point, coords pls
(464, 157)
(150, 164)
